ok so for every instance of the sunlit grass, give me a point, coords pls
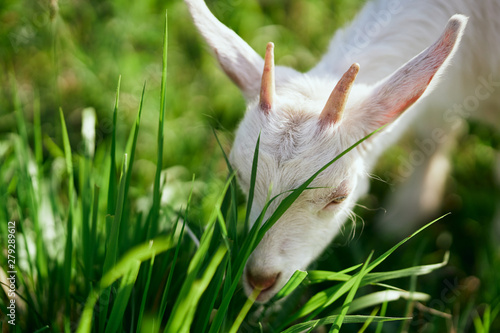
(99, 251)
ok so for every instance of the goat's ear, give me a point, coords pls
(404, 87)
(240, 62)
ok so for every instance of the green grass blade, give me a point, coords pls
(228, 164)
(112, 243)
(153, 226)
(253, 180)
(478, 324)
(210, 296)
(233, 215)
(68, 251)
(406, 272)
(380, 297)
(131, 152)
(52, 147)
(141, 252)
(230, 201)
(183, 313)
(487, 318)
(371, 278)
(244, 311)
(85, 324)
(251, 241)
(495, 312)
(349, 319)
(112, 190)
(413, 286)
(350, 296)
(84, 205)
(123, 294)
(37, 142)
(322, 276)
(207, 235)
(369, 321)
(296, 279)
(243, 254)
(195, 264)
(380, 259)
(164, 299)
(138, 253)
(222, 311)
(145, 294)
(383, 311)
(93, 231)
(222, 225)
(322, 299)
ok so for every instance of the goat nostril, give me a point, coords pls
(262, 282)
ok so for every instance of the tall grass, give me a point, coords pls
(90, 260)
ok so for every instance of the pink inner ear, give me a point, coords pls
(408, 83)
(401, 107)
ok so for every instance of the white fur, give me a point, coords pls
(292, 145)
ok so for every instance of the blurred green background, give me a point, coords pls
(69, 54)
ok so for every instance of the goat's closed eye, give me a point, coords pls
(335, 201)
(338, 199)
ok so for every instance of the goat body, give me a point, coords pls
(402, 48)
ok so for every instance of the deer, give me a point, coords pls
(421, 55)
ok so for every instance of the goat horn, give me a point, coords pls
(334, 108)
(267, 85)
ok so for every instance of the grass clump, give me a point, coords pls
(91, 260)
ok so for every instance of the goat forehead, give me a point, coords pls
(295, 145)
(290, 172)
(289, 133)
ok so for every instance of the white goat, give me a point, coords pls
(305, 120)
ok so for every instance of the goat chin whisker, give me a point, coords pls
(353, 217)
(378, 178)
(371, 209)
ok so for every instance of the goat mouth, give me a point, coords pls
(265, 290)
(265, 294)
